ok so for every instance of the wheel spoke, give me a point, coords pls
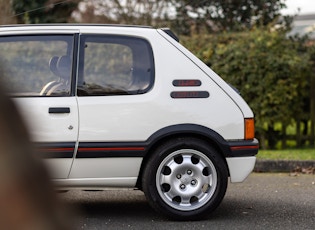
(187, 159)
(166, 179)
(185, 201)
(171, 193)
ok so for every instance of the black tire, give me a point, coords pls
(185, 179)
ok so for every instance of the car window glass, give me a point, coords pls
(114, 65)
(36, 65)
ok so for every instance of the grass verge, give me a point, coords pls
(287, 154)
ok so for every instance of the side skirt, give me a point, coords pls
(96, 183)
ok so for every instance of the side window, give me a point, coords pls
(114, 65)
(36, 65)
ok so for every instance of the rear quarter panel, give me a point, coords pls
(137, 117)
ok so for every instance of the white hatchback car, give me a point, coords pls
(129, 107)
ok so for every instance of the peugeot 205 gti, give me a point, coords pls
(129, 107)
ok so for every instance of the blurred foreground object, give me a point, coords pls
(27, 197)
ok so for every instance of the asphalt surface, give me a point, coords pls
(263, 201)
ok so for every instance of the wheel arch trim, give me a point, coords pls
(190, 129)
(184, 130)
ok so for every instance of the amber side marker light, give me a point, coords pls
(249, 128)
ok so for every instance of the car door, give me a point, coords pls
(37, 73)
(115, 72)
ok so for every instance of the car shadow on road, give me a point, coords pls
(121, 209)
(132, 205)
(110, 204)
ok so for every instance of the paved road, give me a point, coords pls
(263, 201)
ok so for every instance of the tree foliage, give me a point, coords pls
(44, 11)
(225, 15)
(185, 17)
(140, 12)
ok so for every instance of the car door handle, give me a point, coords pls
(59, 110)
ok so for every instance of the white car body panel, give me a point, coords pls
(227, 120)
(240, 167)
(247, 112)
(45, 127)
(58, 168)
(111, 167)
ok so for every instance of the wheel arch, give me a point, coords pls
(181, 131)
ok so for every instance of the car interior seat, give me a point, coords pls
(61, 67)
(53, 68)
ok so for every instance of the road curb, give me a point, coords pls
(283, 166)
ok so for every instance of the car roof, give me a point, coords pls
(72, 25)
(78, 26)
(71, 28)
(75, 24)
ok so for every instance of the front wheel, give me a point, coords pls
(185, 179)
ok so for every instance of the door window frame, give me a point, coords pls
(110, 38)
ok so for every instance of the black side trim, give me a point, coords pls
(55, 149)
(244, 148)
(170, 33)
(189, 94)
(111, 149)
(240, 148)
(74, 64)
